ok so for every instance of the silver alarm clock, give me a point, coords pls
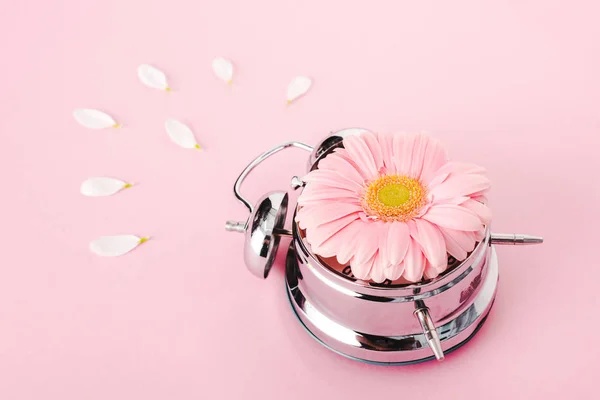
(391, 323)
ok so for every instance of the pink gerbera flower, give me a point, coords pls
(393, 206)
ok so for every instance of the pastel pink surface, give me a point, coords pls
(512, 86)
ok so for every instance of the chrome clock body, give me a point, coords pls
(390, 323)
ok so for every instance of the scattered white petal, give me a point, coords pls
(101, 186)
(94, 119)
(223, 69)
(114, 246)
(181, 134)
(153, 77)
(298, 87)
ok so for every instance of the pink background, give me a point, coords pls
(512, 85)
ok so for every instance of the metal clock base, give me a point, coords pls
(390, 350)
(386, 323)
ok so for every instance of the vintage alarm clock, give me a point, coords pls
(391, 323)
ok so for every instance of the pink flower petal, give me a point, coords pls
(453, 217)
(317, 235)
(362, 270)
(480, 198)
(453, 167)
(394, 272)
(465, 240)
(435, 157)
(315, 192)
(303, 212)
(315, 201)
(333, 179)
(414, 262)
(452, 246)
(335, 162)
(397, 153)
(418, 155)
(382, 230)
(403, 148)
(332, 246)
(365, 218)
(378, 269)
(342, 152)
(386, 142)
(433, 244)
(479, 235)
(368, 244)
(398, 241)
(483, 192)
(473, 235)
(431, 272)
(482, 211)
(459, 185)
(375, 149)
(329, 247)
(350, 234)
(308, 206)
(326, 212)
(437, 179)
(361, 155)
(454, 200)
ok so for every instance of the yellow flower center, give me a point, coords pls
(394, 198)
(393, 195)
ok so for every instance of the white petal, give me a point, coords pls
(94, 119)
(181, 134)
(113, 246)
(102, 186)
(153, 77)
(297, 87)
(223, 69)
